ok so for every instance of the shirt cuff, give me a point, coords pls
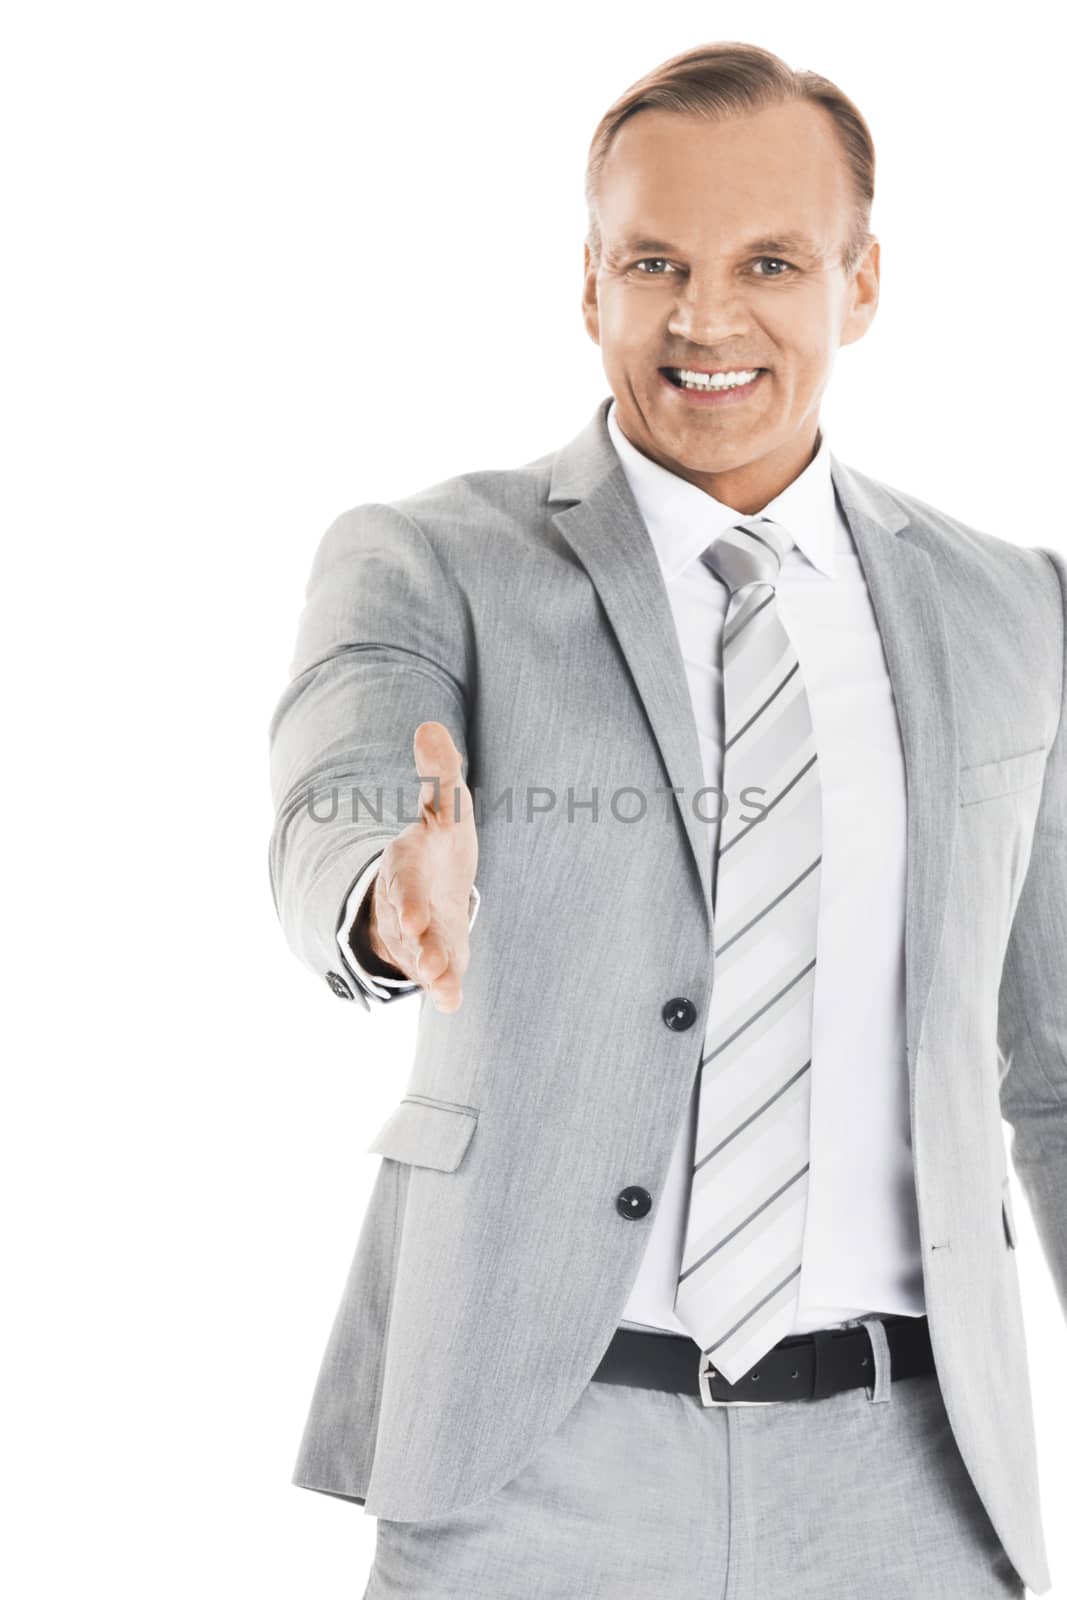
(373, 983)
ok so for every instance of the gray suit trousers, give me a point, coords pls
(642, 1494)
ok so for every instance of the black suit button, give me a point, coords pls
(633, 1202)
(679, 1013)
(338, 985)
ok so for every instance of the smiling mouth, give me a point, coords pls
(719, 382)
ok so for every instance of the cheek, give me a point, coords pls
(801, 318)
(630, 322)
(808, 329)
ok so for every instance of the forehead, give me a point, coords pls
(772, 178)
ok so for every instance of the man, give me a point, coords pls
(689, 1267)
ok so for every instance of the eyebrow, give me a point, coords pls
(771, 244)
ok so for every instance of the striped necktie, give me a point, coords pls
(739, 1277)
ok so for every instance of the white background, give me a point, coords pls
(263, 262)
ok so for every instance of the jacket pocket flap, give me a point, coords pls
(426, 1133)
(992, 778)
(1009, 1215)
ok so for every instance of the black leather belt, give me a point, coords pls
(806, 1366)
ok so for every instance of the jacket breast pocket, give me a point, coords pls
(1008, 1214)
(426, 1133)
(1006, 775)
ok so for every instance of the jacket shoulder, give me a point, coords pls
(949, 536)
(492, 496)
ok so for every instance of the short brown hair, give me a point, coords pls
(729, 78)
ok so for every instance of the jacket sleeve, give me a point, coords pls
(1032, 1018)
(383, 643)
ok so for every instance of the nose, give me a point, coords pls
(709, 314)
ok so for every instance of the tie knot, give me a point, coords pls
(751, 551)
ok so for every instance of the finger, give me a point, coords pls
(407, 919)
(446, 939)
(424, 958)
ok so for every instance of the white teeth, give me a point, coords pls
(717, 380)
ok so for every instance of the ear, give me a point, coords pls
(863, 295)
(590, 307)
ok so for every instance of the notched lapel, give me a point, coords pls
(607, 534)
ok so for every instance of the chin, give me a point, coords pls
(698, 440)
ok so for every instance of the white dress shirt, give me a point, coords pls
(861, 1244)
(861, 1250)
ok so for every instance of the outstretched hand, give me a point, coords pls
(419, 908)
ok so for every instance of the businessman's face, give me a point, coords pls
(721, 250)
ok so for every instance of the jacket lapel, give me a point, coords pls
(607, 533)
(903, 586)
(602, 524)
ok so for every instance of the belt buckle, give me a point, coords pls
(705, 1375)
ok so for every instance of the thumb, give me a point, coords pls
(440, 766)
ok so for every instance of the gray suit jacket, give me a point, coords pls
(526, 611)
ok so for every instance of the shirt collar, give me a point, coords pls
(682, 519)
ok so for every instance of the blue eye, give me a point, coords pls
(648, 261)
